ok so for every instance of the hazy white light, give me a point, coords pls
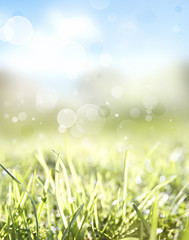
(135, 112)
(47, 56)
(117, 92)
(22, 116)
(75, 28)
(18, 30)
(89, 120)
(46, 100)
(66, 117)
(73, 57)
(99, 4)
(106, 59)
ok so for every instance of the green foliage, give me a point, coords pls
(95, 192)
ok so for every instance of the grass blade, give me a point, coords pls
(125, 185)
(153, 232)
(23, 188)
(146, 225)
(72, 221)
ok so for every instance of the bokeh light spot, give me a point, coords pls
(14, 119)
(178, 9)
(117, 92)
(18, 30)
(135, 112)
(22, 116)
(148, 118)
(6, 115)
(159, 109)
(149, 102)
(89, 120)
(104, 111)
(66, 117)
(76, 131)
(62, 129)
(46, 100)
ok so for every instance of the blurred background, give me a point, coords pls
(88, 66)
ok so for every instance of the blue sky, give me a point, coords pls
(70, 37)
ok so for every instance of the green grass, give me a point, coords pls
(105, 187)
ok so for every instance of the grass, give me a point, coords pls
(97, 188)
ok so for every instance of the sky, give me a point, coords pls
(65, 39)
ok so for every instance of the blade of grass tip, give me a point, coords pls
(72, 221)
(146, 225)
(23, 199)
(48, 212)
(104, 235)
(153, 232)
(141, 231)
(32, 202)
(96, 216)
(10, 194)
(71, 166)
(83, 219)
(43, 164)
(2, 229)
(89, 210)
(93, 230)
(33, 185)
(67, 186)
(59, 201)
(181, 192)
(42, 203)
(13, 225)
(125, 185)
(26, 225)
(69, 194)
(153, 149)
(156, 188)
(105, 226)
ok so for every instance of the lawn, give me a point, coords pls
(127, 184)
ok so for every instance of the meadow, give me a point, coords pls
(128, 184)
